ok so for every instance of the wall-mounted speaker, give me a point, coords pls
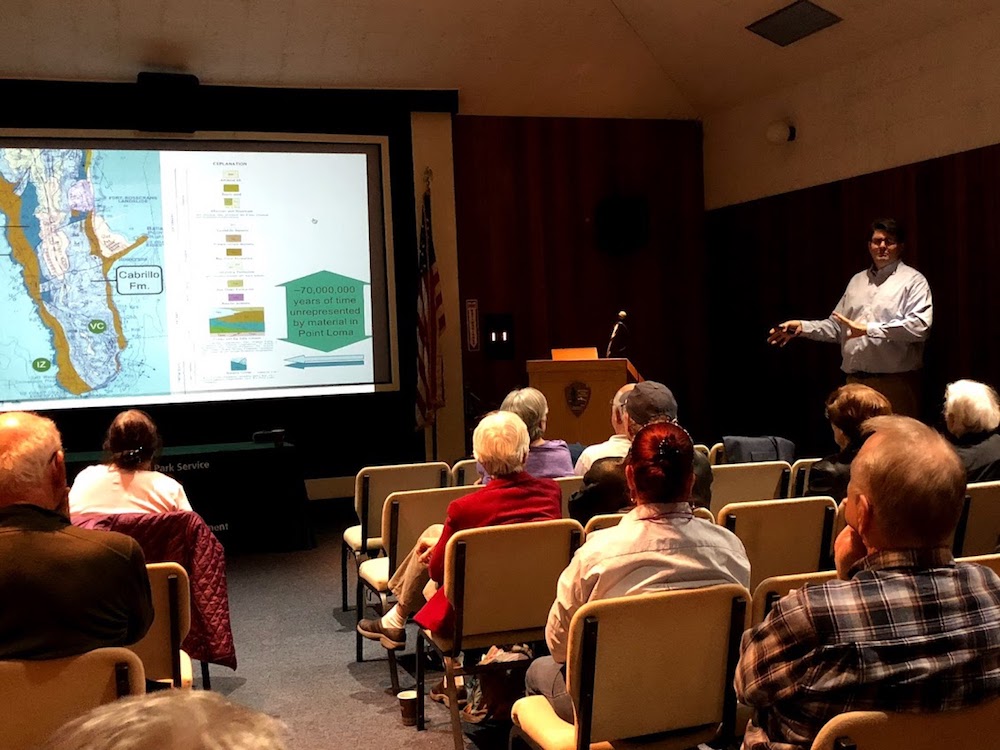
(622, 224)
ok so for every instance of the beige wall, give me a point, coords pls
(909, 102)
(432, 148)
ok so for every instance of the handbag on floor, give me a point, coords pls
(494, 691)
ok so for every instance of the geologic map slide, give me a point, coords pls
(132, 276)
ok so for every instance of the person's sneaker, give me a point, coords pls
(440, 695)
(373, 630)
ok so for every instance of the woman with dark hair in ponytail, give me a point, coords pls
(127, 482)
(657, 546)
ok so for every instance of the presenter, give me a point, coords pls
(881, 322)
(128, 482)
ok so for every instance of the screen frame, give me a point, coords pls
(207, 141)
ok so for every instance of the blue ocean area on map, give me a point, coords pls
(89, 219)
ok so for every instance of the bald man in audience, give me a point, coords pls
(64, 590)
(903, 628)
(615, 446)
(604, 490)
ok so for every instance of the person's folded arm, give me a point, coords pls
(774, 656)
(915, 319)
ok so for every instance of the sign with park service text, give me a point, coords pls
(325, 311)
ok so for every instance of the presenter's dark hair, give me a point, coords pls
(132, 440)
(662, 461)
(891, 227)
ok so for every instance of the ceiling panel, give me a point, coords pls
(632, 58)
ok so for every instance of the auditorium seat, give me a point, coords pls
(183, 537)
(799, 478)
(783, 536)
(736, 483)
(978, 531)
(372, 485)
(879, 730)
(568, 485)
(673, 696)
(464, 472)
(160, 649)
(602, 521)
(500, 581)
(990, 561)
(770, 590)
(405, 516)
(40, 696)
(717, 454)
(704, 513)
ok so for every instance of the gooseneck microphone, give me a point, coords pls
(619, 325)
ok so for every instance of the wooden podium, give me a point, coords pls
(579, 393)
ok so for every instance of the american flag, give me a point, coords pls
(430, 324)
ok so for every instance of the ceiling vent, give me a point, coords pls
(794, 22)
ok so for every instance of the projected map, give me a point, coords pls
(75, 224)
(141, 276)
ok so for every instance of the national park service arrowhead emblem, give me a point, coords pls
(577, 397)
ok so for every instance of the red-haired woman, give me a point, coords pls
(659, 545)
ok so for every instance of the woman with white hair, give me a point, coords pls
(972, 415)
(500, 444)
(547, 459)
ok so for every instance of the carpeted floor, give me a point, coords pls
(296, 654)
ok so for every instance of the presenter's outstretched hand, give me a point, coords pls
(782, 333)
(854, 328)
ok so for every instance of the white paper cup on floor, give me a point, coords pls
(408, 707)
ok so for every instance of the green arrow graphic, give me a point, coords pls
(325, 311)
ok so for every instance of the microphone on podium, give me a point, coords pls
(619, 327)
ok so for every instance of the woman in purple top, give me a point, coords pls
(547, 459)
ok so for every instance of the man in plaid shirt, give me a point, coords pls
(904, 628)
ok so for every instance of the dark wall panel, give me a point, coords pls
(790, 256)
(563, 222)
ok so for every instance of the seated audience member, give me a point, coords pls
(547, 459)
(64, 590)
(658, 546)
(127, 483)
(604, 490)
(644, 403)
(615, 446)
(904, 628)
(500, 444)
(171, 720)
(846, 409)
(972, 415)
